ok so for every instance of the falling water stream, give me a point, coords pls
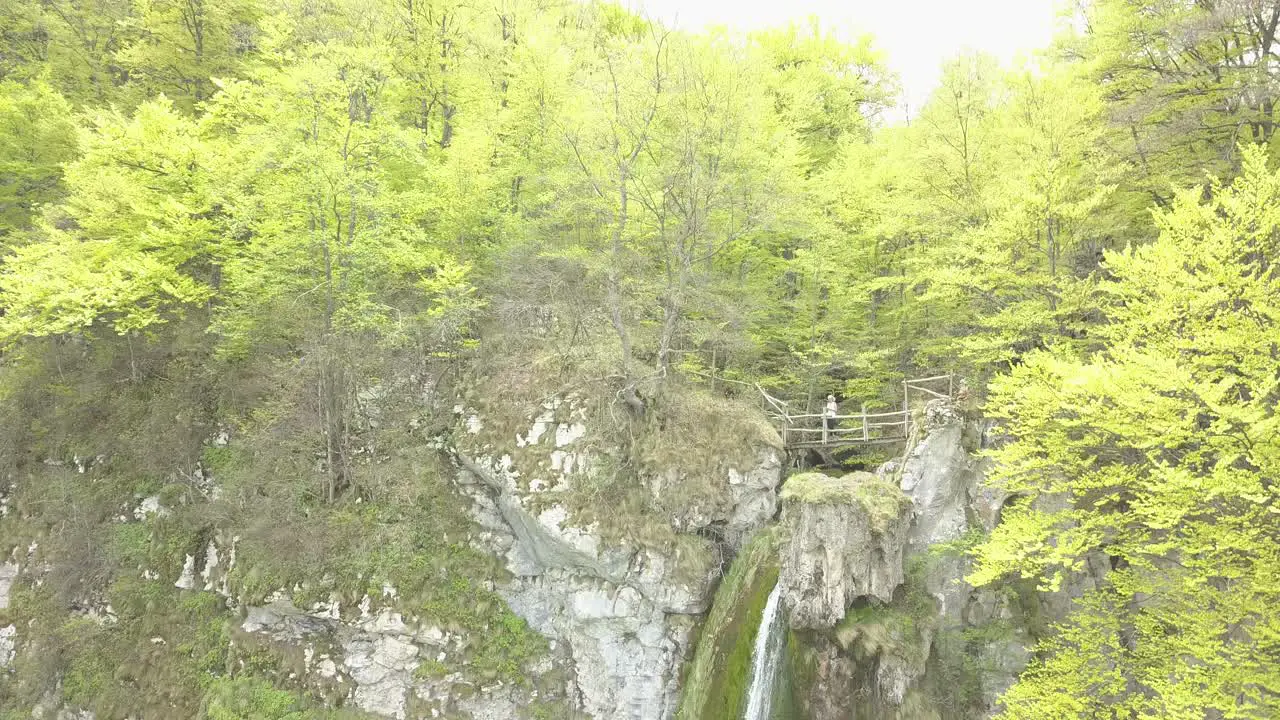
(765, 659)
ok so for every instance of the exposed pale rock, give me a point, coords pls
(386, 622)
(8, 645)
(501, 704)
(331, 609)
(895, 659)
(847, 537)
(431, 635)
(678, 581)
(149, 506)
(8, 573)
(619, 612)
(282, 621)
(209, 572)
(567, 433)
(326, 668)
(187, 580)
(379, 653)
(535, 544)
(382, 667)
(624, 648)
(937, 477)
(755, 494)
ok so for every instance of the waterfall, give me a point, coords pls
(765, 659)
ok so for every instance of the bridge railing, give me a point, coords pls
(821, 430)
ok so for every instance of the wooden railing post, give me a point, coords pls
(906, 410)
(865, 434)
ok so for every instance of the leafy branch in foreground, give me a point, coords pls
(1162, 453)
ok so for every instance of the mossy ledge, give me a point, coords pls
(879, 497)
(716, 684)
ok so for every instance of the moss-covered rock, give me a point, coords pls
(878, 497)
(716, 682)
(845, 541)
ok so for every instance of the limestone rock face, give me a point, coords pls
(372, 660)
(625, 648)
(894, 652)
(755, 494)
(8, 633)
(937, 476)
(847, 537)
(8, 645)
(940, 476)
(382, 668)
(8, 572)
(622, 611)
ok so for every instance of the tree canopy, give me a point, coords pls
(259, 212)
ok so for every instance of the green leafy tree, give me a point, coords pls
(826, 90)
(70, 44)
(137, 240)
(36, 137)
(178, 46)
(1160, 452)
(1184, 82)
(1019, 277)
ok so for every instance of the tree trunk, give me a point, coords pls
(614, 282)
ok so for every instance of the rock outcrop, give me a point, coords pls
(617, 590)
(8, 633)
(623, 610)
(846, 541)
(905, 650)
(374, 660)
(938, 476)
(8, 572)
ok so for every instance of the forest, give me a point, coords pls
(274, 242)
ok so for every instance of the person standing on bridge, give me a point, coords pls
(829, 416)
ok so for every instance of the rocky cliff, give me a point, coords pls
(890, 628)
(544, 558)
(846, 538)
(621, 593)
(617, 597)
(547, 559)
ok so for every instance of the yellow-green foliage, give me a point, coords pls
(716, 681)
(331, 204)
(880, 498)
(1160, 452)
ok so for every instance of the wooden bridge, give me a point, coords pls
(829, 432)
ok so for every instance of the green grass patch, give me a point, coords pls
(249, 698)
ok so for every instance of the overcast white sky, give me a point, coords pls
(917, 35)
